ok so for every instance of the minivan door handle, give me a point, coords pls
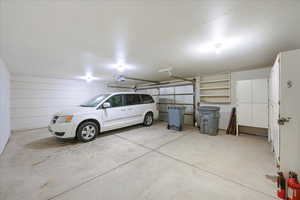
(123, 109)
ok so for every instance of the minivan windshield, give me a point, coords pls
(94, 101)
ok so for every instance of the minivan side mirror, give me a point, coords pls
(106, 105)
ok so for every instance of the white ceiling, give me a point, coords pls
(68, 38)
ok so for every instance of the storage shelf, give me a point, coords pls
(215, 81)
(214, 88)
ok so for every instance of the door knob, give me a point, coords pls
(283, 120)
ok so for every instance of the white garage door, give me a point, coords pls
(182, 95)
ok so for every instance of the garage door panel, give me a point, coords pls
(166, 99)
(166, 90)
(163, 107)
(167, 96)
(188, 99)
(189, 109)
(153, 91)
(142, 91)
(156, 99)
(188, 119)
(184, 89)
(163, 116)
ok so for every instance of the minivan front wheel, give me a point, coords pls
(87, 131)
(148, 120)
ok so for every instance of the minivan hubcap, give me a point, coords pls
(88, 132)
(148, 119)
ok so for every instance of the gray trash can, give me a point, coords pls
(209, 119)
(175, 117)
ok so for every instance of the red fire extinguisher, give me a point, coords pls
(293, 187)
(281, 189)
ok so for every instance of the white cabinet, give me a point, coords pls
(244, 113)
(244, 91)
(252, 102)
(260, 91)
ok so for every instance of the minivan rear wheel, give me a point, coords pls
(148, 120)
(87, 131)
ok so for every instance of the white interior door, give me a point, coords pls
(274, 109)
(289, 107)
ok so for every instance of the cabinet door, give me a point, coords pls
(243, 91)
(260, 91)
(260, 115)
(244, 113)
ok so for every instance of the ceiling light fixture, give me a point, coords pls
(88, 77)
(120, 68)
(218, 47)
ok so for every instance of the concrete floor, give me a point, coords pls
(137, 163)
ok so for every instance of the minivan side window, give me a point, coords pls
(147, 98)
(116, 100)
(132, 99)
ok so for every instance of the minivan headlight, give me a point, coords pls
(64, 119)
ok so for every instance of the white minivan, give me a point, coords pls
(102, 113)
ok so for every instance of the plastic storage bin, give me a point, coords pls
(209, 119)
(176, 117)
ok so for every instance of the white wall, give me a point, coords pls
(225, 109)
(4, 106)
(35, 99)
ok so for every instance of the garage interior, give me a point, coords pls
(239, 56)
